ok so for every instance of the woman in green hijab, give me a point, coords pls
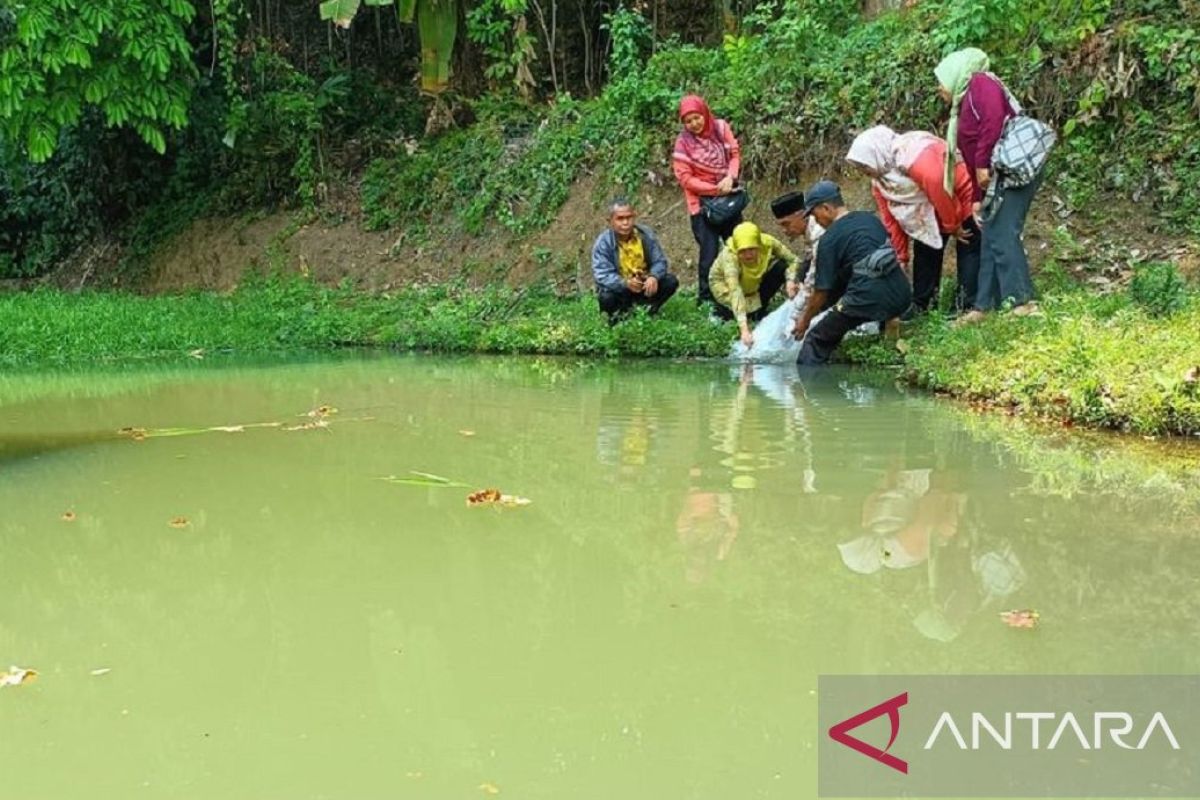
(980, 105)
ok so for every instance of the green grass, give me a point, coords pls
(1097, 361)
(51, 328)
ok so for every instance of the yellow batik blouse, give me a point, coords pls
(735, 285)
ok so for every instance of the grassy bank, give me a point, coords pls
(52, 328)
(1103, 361)
(1124, 361)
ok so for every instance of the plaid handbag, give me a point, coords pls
(1020, 155)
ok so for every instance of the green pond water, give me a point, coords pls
(702, 542)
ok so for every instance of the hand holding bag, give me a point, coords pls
(721, 210)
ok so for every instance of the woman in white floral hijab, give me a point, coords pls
(906, 173)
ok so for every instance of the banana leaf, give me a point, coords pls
(340, 12)
(437, 22)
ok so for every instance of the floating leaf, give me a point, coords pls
(137, 434)
(1020, 618)
(179, 522)
(230, 428)
(68, 516)
(495, 497)
(321, 412)
(489, 788)
(466, 433)
(422, 479)
(16, 676)
(101, 671)
(308, 426)
(483, 496)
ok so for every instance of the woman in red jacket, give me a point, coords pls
(980, 104)
(906, 180)
(706, 161)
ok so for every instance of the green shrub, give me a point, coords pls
(1158, 288)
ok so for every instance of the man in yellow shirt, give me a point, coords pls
(749, 271)
(628, 265)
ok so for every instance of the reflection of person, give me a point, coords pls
(707, 526)
(858, 275)
(899, 521)
(706, 159)
(907, 182)
(749, 271)
(628, 265)
(912, 520)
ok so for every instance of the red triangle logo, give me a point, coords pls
(840, 732)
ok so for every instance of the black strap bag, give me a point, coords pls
(723, 209)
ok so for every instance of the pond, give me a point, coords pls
(246, 609)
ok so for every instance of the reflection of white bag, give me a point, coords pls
(773, 340)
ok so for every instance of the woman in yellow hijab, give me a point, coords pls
(749, 271)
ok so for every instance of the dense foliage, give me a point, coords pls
(281, 107)
(798, 79)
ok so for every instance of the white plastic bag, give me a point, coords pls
(773, 339)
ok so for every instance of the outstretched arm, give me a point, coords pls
(816, 301)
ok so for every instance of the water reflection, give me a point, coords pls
(689, 523)
(919, 517)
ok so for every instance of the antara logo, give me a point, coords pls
(840, 732)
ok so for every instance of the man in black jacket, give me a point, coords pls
(858, 276)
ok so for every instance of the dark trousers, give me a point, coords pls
(927, 269)
(710, 240)
(824, 337)
(1004, 266)
(772, 282)
(619, 302)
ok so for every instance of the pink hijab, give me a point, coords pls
(707, 151)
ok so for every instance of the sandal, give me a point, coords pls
(970, 318)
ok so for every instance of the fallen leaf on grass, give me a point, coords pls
(422, 479)
(197, 354)
(902, 346)
(179, 522)
(495, 497)
(68, 516)
(489, 788)
(17, 676)
(1020, 618)
(1192, 375)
